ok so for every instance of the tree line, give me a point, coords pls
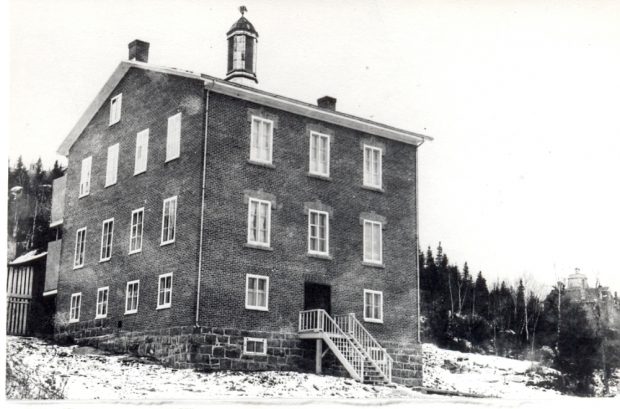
(29, 205)
(461, 311)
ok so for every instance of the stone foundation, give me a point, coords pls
(222, 349)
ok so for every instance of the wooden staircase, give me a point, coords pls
(356, 349)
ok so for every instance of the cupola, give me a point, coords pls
(242, 40)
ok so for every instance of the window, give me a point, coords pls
(173, 139)
(115, 109)
(319, 154)
(318, 232)
(239, 52)
(135, 232)
(254, 346)
(373, 247)
(259, 222)
(142, 151)
(373, 306)
(169, 220)
(85, 176)
(257, 292)
(261, 140)
(164, 297)
(102, 302)
(372, 166)
(74, 312)
(131, 297)
(112, 165)
(80, 247)
(107, 231)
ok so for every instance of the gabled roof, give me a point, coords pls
(245, 93)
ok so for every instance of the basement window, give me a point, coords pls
(254, 346)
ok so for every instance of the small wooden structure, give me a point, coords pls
(25, 280)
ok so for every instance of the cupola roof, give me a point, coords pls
(243, 24)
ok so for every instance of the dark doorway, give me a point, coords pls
(317, 296)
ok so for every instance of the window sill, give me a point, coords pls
(100, 317)
(105, 259)
(374, 321)
(139, 173)
(135, 251)
(321, 256)
(164, 307)
(248, 307)
(317, 176)
(71, 321)
(263, 164)
(84, 195)
(78, 267)
(172, 159)
(109, 185)
(165, 243)
(374, 188)
(371, 264)
(255, 354)
(257, 246)
(131, 312)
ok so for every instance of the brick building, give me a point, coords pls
(216, 225)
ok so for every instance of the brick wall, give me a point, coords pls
(148, 100)
(288, 266)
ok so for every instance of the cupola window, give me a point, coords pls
(239, 53)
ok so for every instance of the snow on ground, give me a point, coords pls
(486, 375)
(90, 374)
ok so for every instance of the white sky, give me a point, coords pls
(521, 96)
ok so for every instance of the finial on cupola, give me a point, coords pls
(242, 42)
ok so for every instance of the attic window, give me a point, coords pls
(115, 109)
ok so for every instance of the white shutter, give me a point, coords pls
(142, 148)
(173, 141)
(112, 165)
(85, 176)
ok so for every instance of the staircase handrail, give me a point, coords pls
(367, 341)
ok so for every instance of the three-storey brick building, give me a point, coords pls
(213, 224)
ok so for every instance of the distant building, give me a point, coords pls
(597, 299)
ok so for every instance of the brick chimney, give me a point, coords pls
(139, 51)
(327, 102)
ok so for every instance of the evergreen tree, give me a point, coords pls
(480, 303)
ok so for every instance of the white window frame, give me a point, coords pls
(111, 171)
(85, 176)
(173, 137)
(138, 235)
(315, 165)
(247, 290)
(168, 304)
(82, 248)
(319, 213)
(268, 217)
(368, 257)
(132, 283)
(368, 178)
(256, 340)
(103, 242)
(254, 142)
(102, 302)
(115, 110)
(141, 162)
(374, 293)
(169, 240)
(75, 307)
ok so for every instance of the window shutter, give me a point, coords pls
(142, 146)
(112, 165)
(173, 140)
(85, 176)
